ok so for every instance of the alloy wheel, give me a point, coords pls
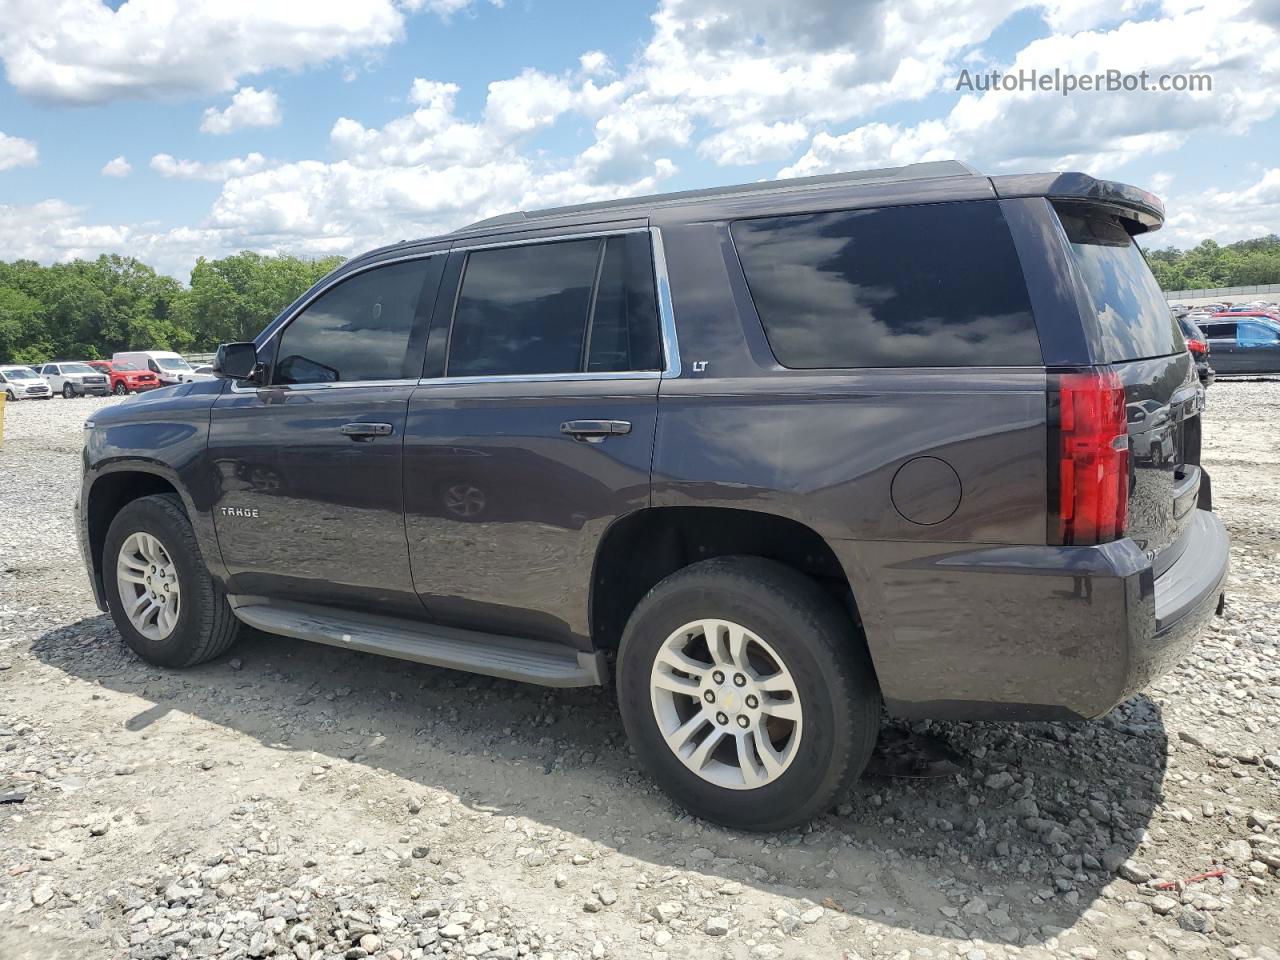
(148, 582)
(726, 704)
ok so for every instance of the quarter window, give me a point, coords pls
(368, 327)
(912, 286)
(560, 307)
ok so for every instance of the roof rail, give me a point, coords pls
(912, 171)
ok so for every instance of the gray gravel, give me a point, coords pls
(290, 800)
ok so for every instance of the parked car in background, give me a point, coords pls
(1244, 343)
(1199, 347)
(169, 367)
(126, 376)
(757, 453)
(22, 383)
(76, 379)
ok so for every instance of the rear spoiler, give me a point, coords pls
(1142, 212)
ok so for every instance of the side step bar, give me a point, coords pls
(513, 658)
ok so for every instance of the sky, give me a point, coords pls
(176, 129)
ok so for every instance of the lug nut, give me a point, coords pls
(722, 719)
(743, 721)
(718, 677)
(709, 696)
(739, 680)
(752, 701)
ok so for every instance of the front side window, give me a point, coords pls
(912, 286)
(1254, 334)
(559, 307)
(362, 329)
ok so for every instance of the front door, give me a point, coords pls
(308, 503)
(538, 435)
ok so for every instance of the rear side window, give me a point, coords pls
(564, 307)
(362, 329)
(1220, 331)
(935, 285)
(1133, 316)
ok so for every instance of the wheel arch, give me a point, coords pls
(111, 488)
(642, 548)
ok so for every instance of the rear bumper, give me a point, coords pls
(1030, 632)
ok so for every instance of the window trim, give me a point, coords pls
(274, 333)
(666, 320)
(666, 315)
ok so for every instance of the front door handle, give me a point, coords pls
(366, 431)
(595, 431)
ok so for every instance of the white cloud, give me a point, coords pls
(1003, 130)
(173, 168)
(83, 51)
(119, 167)
(444, 8)
(1225, 215)
(250, 107)
(527, 102)
(17, 152)
(595, 62)
(753, 143)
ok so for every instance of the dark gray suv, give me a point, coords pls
(771, 456)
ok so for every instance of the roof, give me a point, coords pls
(914, 171)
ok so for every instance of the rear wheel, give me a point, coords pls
(747, 693)
(161, 597)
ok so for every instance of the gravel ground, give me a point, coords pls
(297, 800)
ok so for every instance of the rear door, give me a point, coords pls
(308, 498)
(535, 431)
(1136, 336)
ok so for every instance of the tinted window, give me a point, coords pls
(529, 309)
(361, 329)
(1220, 331)
(936, 285)
(623, 334)
(1133, 316)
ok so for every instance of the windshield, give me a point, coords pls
(17, 373)
(126, 367)
(1134, 318)
(172, 363)
(77, 368)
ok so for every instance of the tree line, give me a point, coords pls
(89, 309)
(1209, 265)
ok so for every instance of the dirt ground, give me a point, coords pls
(297, 800)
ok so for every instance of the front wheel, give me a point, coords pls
(67, 391)
(8, 395)
(747, 693)
(121, 389)
(163, 600)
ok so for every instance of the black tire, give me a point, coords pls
(121, 389)
(819, 645)
(68, 391)
(206, 627)
(8, 394)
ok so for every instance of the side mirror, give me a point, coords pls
(236, 361)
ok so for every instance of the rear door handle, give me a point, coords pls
(594, 431)
(366, 431)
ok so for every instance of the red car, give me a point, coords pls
(126, 377)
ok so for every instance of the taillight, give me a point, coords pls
(1197, 346)
(1092, 448)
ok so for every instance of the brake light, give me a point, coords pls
(1093, 458)
(1196, 346)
